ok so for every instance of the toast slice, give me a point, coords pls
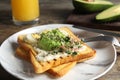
(61, 70)
(57, 71)
(42, 66)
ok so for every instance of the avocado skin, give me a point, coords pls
(111, 18)
(81, 7)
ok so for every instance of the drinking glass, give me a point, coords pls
(25, 11)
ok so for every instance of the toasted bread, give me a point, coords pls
(61, 70)
(41, 67)
(20, 52)
(57, 71)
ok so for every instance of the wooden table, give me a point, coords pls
(52, 11)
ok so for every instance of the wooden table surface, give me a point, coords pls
(52, 11)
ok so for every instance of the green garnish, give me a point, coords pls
(74, 53)
(79, 46)
(67, 38)
(68, 52)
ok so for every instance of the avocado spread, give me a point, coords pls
(55, 43)
(52, 39)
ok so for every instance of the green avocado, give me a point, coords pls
(51, 40)
(110, 14)
(91, 6)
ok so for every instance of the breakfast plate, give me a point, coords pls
(92, 69)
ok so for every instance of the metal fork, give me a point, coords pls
(111, 39)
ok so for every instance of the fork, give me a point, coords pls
(111, 39)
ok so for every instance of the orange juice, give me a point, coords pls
(25, 10)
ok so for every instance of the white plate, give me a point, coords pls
(91, 69)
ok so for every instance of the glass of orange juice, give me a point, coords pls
(25, 11)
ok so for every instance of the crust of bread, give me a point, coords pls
(61, 70)
(41, 67)
(20, 52)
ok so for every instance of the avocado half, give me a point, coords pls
(93, 6)
(110, 14)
